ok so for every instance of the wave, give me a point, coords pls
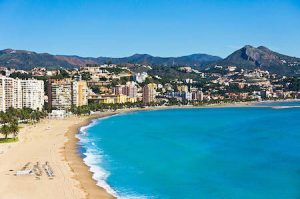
(93, 157)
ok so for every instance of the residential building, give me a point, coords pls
(33, 94)
(140, 77)
(131, 89)
(60, 94)
(197, 95)
(10, 93)
(79, 93)
(119, 90)
(183, 88)
(18, 93)
(149, 93)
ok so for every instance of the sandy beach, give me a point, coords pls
(80, 170)
(54, 141)
(51, 141)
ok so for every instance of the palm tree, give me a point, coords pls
(14, 128)
(5, 130)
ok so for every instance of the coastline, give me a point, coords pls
(73, 158)
(55, 141)
(81, 171)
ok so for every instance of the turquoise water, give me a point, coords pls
(280, 103)
(197, 153)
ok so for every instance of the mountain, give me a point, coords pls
(261, 57)
(192, 60)
(22, 59)
(248, 57)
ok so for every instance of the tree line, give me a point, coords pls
(10, 120)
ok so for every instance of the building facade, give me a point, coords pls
(10, 93)
(62, 94)
(149, 93)
(18, 93)
(79, 93)
(33, 94)
(131, 89)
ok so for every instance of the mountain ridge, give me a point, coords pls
(22, 59)
(248, 57)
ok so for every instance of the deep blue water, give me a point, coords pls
(197, 153)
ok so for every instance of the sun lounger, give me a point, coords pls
(24, 172)
(48, 170)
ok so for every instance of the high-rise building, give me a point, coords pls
(183, 88)
(197, 95)
(10, 93)
(149, 93)
(18, 93)
(62, 94)
(119, 90)
(32, 94)
(131, 89)
(79, 93)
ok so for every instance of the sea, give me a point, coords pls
(209, 153)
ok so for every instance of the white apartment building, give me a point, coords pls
(10, 93)
(140, 77)
(32, 94)
(18, 93)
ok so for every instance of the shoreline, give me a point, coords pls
(73, 158)
(82, 170)
(55, 141)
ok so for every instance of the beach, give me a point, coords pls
(52, 141)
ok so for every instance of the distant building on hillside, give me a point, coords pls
(183, 88)
(140, 77)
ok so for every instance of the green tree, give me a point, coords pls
(5, 130)
(14, 128)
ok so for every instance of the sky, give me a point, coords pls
(119, 28)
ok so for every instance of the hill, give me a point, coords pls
(250, 57)
(22, 59)
(25, 60)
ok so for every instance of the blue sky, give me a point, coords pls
(159, 27)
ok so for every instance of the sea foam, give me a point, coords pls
(93, 157)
